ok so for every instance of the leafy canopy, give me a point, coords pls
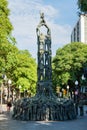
(18, 65)
(82, 5)
(69, 62)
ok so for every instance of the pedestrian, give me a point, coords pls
(9, 105)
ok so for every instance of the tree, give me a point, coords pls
(6, 39)
(6, 28)
(5, 25)
(82, 5)
(18, 65)
(68, 63)
(22, 68)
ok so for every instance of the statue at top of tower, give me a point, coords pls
(43, 23)
(42, 18)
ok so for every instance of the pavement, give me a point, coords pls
(7, 123)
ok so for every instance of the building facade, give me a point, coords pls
(79, 33)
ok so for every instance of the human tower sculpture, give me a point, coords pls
(44, 105)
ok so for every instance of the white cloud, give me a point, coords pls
(25, 18)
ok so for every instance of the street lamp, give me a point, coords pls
(76, 82)
(82, 86)
(67, 90)
(76, 90)
(83, 78)
(9, 83)
(76, 94)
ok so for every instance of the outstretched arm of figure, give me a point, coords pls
(38, 31)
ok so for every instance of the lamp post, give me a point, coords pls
(67, 90)
(76, 82)
(83, 78)
(9, 83)
(81, 106)
(82, 86)
(76, 95)
(76, 90)
(76, 87)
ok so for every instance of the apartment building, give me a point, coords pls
(79, 33)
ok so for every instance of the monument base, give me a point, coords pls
(44, 108)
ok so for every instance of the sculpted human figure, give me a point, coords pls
(42, 38)
(42, 23)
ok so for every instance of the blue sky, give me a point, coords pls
(60, 15)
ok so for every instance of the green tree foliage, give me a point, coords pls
(68, 63)
(82, 5)
(18, 65)
(22, 68)
(6, 38)
(5, 25)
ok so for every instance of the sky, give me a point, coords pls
(60, 15)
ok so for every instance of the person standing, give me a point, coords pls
(9, 104)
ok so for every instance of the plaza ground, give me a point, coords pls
(7, 123)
